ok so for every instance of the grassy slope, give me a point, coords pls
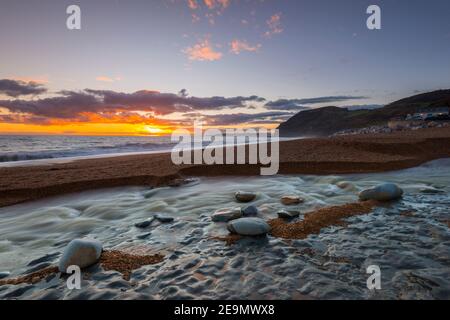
(327, 120)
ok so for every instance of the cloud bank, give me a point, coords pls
(16, 88)
(145, 106)
(297, 104)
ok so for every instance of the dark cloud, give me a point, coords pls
(164, 103)
(70, 104)
(364, 106)
(142, 106)
(13, 88)
(285, 104)
(19, 118)
(256, 118)
(297, 104)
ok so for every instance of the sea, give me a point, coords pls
(35, 147)
(18, 150)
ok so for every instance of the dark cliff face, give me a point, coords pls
(328, 120)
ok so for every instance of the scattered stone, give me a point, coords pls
(250, 211)
(4, 274)
(80, 252)
(243, 196)
(163, 218)
(383, 192)
(345, 185)
(143, 224)
(180, 182)
(225, 215)
(248, 226)
(285, 214)
(290, 200)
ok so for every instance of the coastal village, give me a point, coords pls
(431, 118)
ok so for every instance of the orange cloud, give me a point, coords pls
(203, 51)
(237, 46)
(274, 24)
(38, 80)
(107, 79)
(193, 4)
(211, 4)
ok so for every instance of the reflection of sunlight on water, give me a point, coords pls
(32, 230)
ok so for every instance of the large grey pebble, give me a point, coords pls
(383, 192)
(225, 215)
(250, 211)
(163, 218)
(243, 196)
(290, 200)
(143, 224)
(80, 252)
(288, 214)
(248, 226)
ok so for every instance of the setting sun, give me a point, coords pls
(154, 130)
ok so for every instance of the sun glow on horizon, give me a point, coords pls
(154, 130)
(94, 129)
(104, 129)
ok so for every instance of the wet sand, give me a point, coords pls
(336, 155)
(115, 260)
(319, 219)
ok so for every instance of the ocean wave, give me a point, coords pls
(98, 150)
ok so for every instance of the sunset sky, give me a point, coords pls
(147, 67)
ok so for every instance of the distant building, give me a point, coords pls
(440, 113)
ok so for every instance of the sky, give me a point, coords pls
(148, 67)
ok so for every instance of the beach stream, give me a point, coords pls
(409, 240)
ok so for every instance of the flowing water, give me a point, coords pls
(412, 250)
